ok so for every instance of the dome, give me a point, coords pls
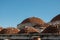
(56, 18)
(10, 31)
(51, 29)
(28, 29)
(33, 20)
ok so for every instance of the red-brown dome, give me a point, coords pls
(10, 31)
(56, 18)
(33, 20)
(51, 29)
(29, 29)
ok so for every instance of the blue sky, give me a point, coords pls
(13, 12)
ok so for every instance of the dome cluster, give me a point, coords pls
(34, 25)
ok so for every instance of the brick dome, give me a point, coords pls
(10, 31)
(33, 20)
(51, 29)
(56, 18)
(29, 30)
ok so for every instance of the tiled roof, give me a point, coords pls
(1, 29)
(29, 30)
(10, 31)
(56, 18)
(51, 29)
(33, 20)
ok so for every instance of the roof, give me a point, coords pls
(42, 25)
(1, 29)
(51, 29)
(10, 31)
(56, 18)
(33, 20)
(29, 30)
